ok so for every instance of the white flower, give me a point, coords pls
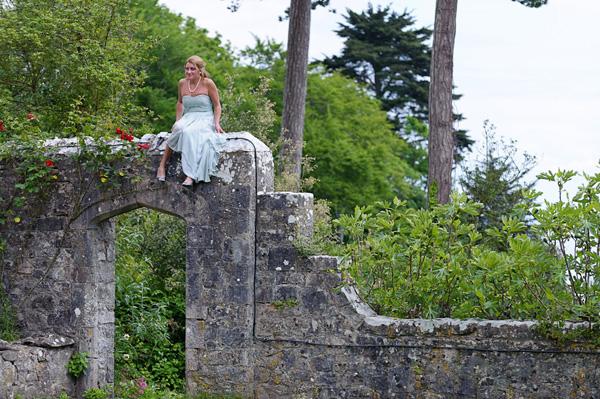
(126, 356)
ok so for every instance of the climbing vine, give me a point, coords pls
(107, 162)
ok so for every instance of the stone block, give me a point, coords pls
(9, 355)
(282, 258)
(286, 292)
(314, 299)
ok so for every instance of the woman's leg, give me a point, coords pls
(161, 172)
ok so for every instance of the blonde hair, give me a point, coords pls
(199, 63)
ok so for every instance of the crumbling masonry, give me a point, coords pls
(58, 271)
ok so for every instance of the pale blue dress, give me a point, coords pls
(195, 137)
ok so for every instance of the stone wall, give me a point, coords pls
(35, 366)
(58, 269)
(315, 338)
(262, 320)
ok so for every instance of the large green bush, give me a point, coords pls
(430, 263)
(75, 65)
(434, 263)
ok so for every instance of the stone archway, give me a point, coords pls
(96, 317)
(74, 293)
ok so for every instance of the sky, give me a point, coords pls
(533, 73)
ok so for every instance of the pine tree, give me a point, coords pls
(497, 180)
(384, 51)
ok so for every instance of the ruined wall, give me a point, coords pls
(316, 339)
(58, 269)
(261, 320)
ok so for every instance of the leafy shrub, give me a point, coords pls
(434, 263)
(249, 110)
(82, 73)
(429, 263)
(571, 227)
(95, 393)
(140, 389)
(78, 364)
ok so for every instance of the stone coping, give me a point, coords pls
(236, 142)
(394, 327)
(50, 341)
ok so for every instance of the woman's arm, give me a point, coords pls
(213, 93)
(179, 106)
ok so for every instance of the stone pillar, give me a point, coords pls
(94, 305)
(282, 218)
(220, 285)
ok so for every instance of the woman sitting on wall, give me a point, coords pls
(196, 132)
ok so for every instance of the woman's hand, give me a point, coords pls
(218, 128)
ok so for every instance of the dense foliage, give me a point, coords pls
(351, 141)
(347, 135)
(386, 52)
(176, 38)
(433, 263)
(150, 300)
(72, 64)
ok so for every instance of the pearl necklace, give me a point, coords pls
(195, 88)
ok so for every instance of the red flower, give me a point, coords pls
(31, 116)
(143, 146)
(49, 163)
(2, 128)
(125, 136)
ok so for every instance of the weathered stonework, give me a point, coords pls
(33, 365)
(262, 320)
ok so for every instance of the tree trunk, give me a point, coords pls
(294, 93)
(441, 137)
